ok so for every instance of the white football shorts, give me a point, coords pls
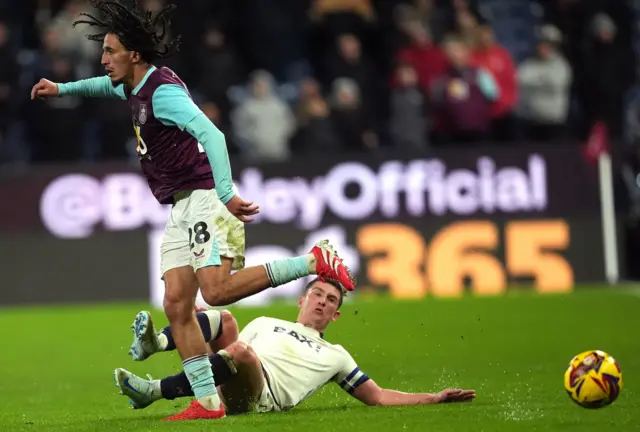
(200, 231)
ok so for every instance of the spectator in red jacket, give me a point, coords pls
(423, 55)
(496, 59)
(462, 98)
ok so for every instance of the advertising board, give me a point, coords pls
(480, 219)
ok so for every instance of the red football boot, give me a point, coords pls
(195, 411)
(329, 265)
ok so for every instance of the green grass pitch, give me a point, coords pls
(57, 365)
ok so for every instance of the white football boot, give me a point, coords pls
(145, 338)
(141, 392)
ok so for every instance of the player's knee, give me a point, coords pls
(177, 309)
(212, 296)
(242, 354)
(212, 283)
(229, 322)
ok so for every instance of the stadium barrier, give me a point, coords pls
(485, 219)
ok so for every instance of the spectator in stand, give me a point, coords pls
(426, 58)
(463, 97)
(349, 62)
(455, 11)
(330, 19)
(431, 17)
(336, 17)
(72, 41)
(408, 125)
(545, 83)
(467, 28)
(351, 118)
(273, 35)
(263, 124)
(606, 71)
(58, 136)
(8, 83)
(218, 68)
(316, 133)
(363, 40)
(496, 59)
(424, 12)
(465, 6)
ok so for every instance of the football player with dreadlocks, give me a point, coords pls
(185, 160)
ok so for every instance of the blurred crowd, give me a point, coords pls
(303, 77)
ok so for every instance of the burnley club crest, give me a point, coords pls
(142, 114)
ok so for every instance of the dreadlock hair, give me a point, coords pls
(137, 30)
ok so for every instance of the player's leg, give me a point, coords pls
(219, 329)
(237, 368)
(218, 248)
(228, 333)
(181, 288)
(220, 288)
(245, 387)
(240, 376)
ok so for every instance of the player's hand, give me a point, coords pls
(456, 395)
(242, 209)
(44, 89)
(199, 308)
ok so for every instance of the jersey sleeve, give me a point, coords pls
(350, 377)
(173, 106)
(92, 87)
(215, 146)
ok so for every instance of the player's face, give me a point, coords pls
(319, 306)
(116, 59)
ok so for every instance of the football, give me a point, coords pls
(593, 379)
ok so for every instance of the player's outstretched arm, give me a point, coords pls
(92, 87)
(214, 144)
(372, 394)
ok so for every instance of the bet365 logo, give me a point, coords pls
(400, 257)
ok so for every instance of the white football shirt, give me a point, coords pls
(298, 361)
